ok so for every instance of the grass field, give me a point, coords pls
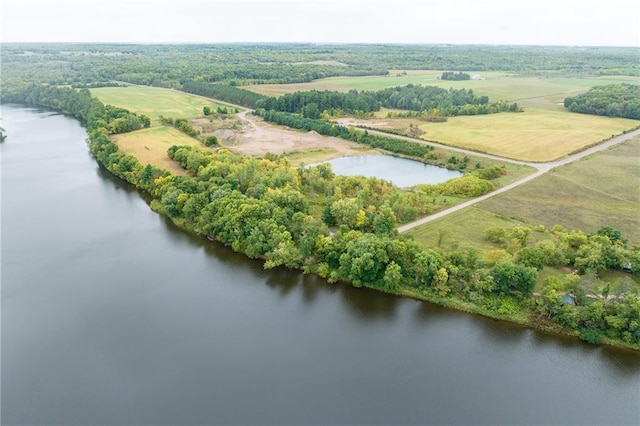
(496, 85)
(603, 189)
(154, 101)
(150, 146)
(534, 135)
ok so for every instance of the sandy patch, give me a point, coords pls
(256, 138)
(350, 121)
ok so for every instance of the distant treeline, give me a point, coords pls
(615, 100)
(433, 100)
(241, 64)
(224, 92)
(456, 76)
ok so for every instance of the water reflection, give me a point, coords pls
(401, 172)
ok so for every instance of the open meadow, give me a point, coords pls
(151, 145)
(599, 190)
(154, 101)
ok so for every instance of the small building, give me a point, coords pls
(476, 77)
(568, 299)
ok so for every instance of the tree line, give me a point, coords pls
(437, 101)
(79, 104)
(224, 92)
(455, 76)
(614, 100)
(427, 100)
(312, 103)
(270, 210)
(239, 64)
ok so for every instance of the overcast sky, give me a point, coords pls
(539, 22)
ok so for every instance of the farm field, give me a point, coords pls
(154, 101)
(602, 189)
(151, 145)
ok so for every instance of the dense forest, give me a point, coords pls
(240, 64)
(614, 100)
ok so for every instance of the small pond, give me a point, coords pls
(400, 171)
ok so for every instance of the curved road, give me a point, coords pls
(542, 168)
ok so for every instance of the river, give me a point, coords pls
(110, 315)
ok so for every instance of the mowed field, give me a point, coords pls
(599, 190)
(154, 101)
(151, 145)
(533, 135)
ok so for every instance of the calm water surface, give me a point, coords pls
(112, 316)
(400, 171)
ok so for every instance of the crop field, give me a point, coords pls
(151, 145)
(602, 189)
(154, 101)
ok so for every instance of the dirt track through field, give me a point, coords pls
(542, 168)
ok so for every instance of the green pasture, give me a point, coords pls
(462, 230)
(154, 101)
(602, 189)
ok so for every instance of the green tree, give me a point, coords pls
(392, 277)
(511, 277)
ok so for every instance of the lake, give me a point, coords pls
(400, 171)
(110, 315)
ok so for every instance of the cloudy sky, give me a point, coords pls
(539, 22)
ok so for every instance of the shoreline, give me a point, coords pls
(96, 140)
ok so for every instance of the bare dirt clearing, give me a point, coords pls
(252, 136)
